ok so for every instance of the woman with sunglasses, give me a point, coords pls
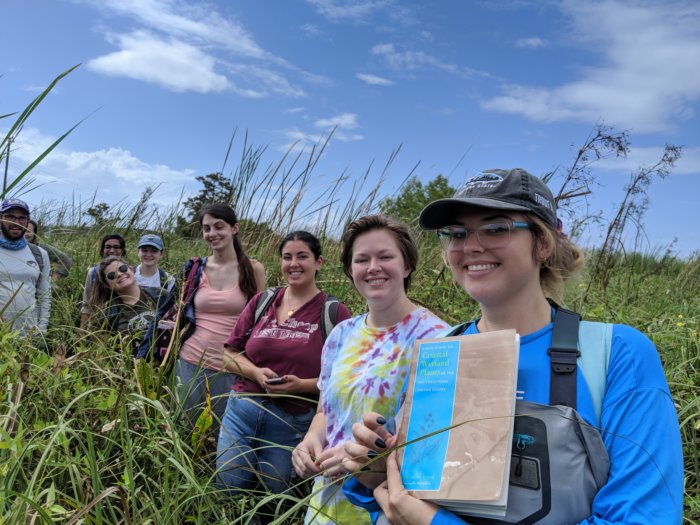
(118, 303)
(111, 245)
(504, 245)
(365, 359)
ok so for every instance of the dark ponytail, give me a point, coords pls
(246, 275)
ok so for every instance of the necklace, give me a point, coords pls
(290, 310)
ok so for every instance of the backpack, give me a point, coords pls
(39, 258)
(36, 252)
(558, 461)
(329, 314)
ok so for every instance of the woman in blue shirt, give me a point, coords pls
(504, 245)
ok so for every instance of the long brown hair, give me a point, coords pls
(246, 275)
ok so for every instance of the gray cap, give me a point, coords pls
(151, 239)
(515, 190)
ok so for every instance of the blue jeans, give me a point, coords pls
(191, 392)
(256, 442)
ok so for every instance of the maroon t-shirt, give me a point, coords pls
(293, 347)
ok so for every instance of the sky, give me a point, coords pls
(459, 86)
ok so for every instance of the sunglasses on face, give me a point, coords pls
(124, 268)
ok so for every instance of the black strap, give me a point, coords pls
(562, 356)
(329, 315)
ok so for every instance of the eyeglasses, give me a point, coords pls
(490, 236)
(124, 268)
(20, 219)
(113, 247)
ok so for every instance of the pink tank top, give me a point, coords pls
(216, 313)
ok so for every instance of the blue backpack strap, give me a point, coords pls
(595, 345)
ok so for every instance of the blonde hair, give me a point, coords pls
(563, 258)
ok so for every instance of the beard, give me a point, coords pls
(10, 236)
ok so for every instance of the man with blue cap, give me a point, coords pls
(25, 281)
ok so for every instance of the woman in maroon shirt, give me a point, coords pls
(279, 359)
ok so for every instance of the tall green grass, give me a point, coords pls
(80, 442)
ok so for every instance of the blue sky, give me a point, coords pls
(460, 85)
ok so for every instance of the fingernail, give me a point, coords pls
(381, 421)
(371, 454)
(380, 443)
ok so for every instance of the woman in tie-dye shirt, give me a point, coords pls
(365, 360)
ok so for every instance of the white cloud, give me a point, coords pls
(341, 121)
(416, 60)
(311, 30)
(182, 46)
(648, 76)
(113, 173)
(531, 43)
(172, 64)
(349, 10)
(293, 111)
(188, 20)
(688, 164)
(374, 80)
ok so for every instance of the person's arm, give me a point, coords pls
(43, 295)
(305, 455)
(237, 363)
(260, 276)
(641, 434)
(61, 262)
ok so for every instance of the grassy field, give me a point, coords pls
(81, 443)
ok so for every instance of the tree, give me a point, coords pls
(215, 188)
(414, 196)
(98, 213)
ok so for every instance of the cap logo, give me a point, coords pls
(482, 181)
(543, 201)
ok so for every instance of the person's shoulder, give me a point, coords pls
(257, 265)
(424, 316)
(634, 360)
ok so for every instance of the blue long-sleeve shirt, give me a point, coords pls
(640, 431)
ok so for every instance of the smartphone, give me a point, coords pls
(276, 380)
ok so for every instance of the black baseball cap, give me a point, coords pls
(514, 189)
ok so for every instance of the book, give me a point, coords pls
(457, 421)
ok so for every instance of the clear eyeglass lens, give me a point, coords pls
(492, 235)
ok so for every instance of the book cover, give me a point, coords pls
(458, 421)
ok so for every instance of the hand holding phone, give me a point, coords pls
(276, 380)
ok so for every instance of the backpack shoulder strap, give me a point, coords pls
(458, 330)
(595, 345)
(563, 355)
(329, 315)
(265, 301)
(192, 276)
(163, 277)
(38, 257)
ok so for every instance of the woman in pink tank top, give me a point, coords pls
(228, 280)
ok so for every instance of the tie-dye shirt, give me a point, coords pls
(362, 369)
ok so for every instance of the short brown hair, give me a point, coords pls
(401, 232)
